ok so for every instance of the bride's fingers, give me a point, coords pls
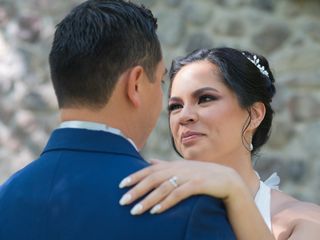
(138, 176)
(153, 198)
(177, 195)
(143, 187)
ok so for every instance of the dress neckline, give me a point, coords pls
(263, 197)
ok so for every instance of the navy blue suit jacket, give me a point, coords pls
(71, 192)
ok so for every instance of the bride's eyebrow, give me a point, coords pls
(174, 99)
(196, 93)
(200, 91)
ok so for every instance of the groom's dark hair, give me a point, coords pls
(94, 44)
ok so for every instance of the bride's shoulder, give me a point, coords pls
(286, 207)
(291, 217)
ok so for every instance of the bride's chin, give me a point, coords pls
(194, 155)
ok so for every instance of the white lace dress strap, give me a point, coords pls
(263, 197)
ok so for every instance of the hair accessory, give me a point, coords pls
(256, 61)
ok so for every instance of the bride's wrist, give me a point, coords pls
(238, 190)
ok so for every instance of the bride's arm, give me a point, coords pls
(296, 220)
(305, 230)
(244, 216)
(193, 178)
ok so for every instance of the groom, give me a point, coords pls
(107, 69)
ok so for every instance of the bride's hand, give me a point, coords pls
(167, 183)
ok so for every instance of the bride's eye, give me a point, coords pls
(174, 106)
(206, 98)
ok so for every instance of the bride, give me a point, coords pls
(220, 115)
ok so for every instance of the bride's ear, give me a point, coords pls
(257, 111)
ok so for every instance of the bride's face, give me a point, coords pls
(206, 119)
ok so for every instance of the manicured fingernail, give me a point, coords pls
(136, 209)
(125, 182)
(125, 199)
(155, 209)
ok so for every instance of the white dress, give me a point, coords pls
(263, 197)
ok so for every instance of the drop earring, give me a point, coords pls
(250, 147)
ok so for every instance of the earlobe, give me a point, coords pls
(134, 78)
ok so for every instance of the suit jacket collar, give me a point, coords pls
(89, 140)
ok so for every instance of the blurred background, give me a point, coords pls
(287, 32)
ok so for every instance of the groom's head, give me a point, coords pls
(94, 44)
(107, 53)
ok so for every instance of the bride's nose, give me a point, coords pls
(188, 115)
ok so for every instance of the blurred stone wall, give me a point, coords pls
(287, 32)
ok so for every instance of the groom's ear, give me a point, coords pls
(134, 82)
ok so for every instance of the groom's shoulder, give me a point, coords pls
(207, 219)
(199, 217)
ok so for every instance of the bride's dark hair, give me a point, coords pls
(243, 77)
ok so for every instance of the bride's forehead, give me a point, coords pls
(197, 76)
(199, 66)
(196, 72)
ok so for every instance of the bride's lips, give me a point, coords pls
(190, 137)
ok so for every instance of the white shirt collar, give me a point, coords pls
(96, 127)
